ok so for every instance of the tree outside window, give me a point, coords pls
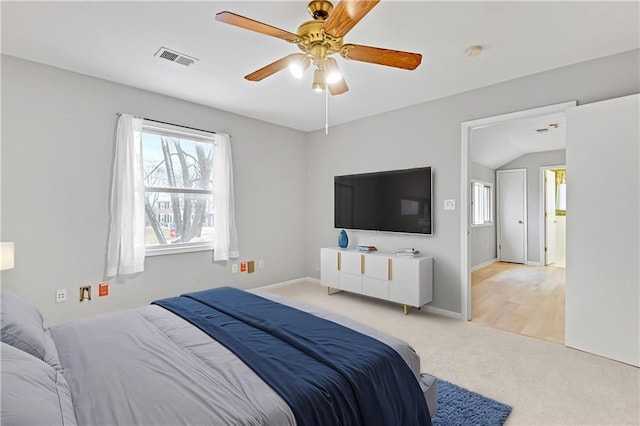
(178, 187)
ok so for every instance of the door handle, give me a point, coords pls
(519, 221)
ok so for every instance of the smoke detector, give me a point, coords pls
(473, 50)
(174, 56)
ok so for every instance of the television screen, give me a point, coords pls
(395, 201)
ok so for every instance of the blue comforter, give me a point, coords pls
(327, 373)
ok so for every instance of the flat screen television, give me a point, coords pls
(393, 201)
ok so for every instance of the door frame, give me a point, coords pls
(525, 220)
(465, 224)
(543, 207)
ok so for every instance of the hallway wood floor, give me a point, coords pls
(527, 300)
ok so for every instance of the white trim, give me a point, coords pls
(531, 263)
(425, 308)
(543, 207)
(162, 129)
(290, 282)
(441, 312)
(484, 264)
(466, 128)
(161, 250)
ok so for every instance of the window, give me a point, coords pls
(481, 203)
(177, 165)
(172, 165)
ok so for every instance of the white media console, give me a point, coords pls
(405, 280)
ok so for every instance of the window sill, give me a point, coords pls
(177, 249)
(482, 225)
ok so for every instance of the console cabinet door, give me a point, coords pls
(376, 267)
(351, 282)
(351, 263)
(411, 282)
(375, 282)
(329, 264)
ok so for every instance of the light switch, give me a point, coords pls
(449, 204)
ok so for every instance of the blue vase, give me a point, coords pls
(343, 240)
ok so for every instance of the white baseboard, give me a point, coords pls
(483, 264)
(442, 312)
(529, 263)
(290, 282)
(426, 308)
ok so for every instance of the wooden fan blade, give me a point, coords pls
(377, 55)
(346, 15)
(270, 69)
(338, 88)
(259, 27)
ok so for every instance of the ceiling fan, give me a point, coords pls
(319, 39)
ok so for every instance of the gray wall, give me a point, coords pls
(532, 163)
(429, 134)
(482, 239)
(57, 152)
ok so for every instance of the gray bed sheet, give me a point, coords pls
(150, 367)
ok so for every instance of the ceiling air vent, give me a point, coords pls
(173, 56)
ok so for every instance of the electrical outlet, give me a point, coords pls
(261, 263)
(61, 295)
(234, 268)
(449, 204)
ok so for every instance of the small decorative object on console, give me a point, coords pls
(367, 248)
(343, 240)
(408, 252)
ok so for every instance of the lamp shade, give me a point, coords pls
(6, 256)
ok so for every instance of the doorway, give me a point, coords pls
(554, 215)
(467, 128)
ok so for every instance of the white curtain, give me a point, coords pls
(225, 244)
(125, 251)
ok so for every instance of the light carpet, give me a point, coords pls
(545, 383)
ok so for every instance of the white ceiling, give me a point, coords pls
(497, 145)
(117, 40)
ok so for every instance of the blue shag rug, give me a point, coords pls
(461, 407)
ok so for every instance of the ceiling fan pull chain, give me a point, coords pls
(326, 110)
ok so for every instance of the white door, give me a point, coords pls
(551, 254)
(512, 227)
(603, 244)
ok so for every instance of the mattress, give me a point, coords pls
(150, 367)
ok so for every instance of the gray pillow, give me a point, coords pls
(21, 326)
(33, 392)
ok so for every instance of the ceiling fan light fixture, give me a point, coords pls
(319, 80)
(298, 65)
(333, 74)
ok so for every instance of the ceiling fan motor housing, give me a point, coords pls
(314, 42)
(320, 9)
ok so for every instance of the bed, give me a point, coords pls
(155, 366)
